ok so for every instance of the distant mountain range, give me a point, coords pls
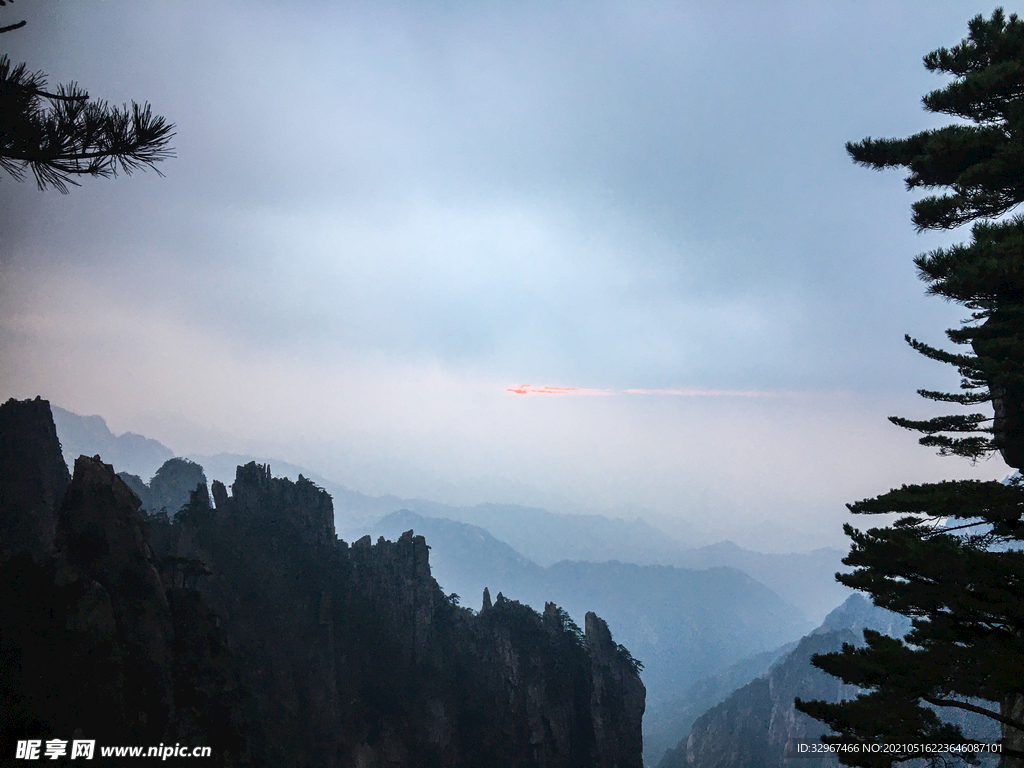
(549, 537)
(750, 726)
(805, 579)
(89, 436)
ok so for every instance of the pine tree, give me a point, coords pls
(63, 134)
(953, 562)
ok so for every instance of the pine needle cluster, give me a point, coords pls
(62, 134)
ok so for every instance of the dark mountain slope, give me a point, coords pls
(682, 624)
(392, 671)
(249, 627)
(666, 721)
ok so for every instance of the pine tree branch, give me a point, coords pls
(976, 709)
(32, 89)
(970, 362)
(72, 136)
(936, 531)
(972, 448)
(59, 161)
(55, 96)
(12, 27)
(968, 398)
(960, 423)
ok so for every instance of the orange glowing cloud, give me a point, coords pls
(529, 389)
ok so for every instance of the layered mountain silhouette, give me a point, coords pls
(90, 436)
(248, 626)
(682, 624)
(666, 722)
(804, 579)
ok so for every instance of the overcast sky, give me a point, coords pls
(384, 216)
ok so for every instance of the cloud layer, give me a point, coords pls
(382, 214)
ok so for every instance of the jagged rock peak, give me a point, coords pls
(100, 530)
(599, 637)
(33, 478)
(252, 474)
(618, 696)
(199, 498)
(220, 494)
(256, 495)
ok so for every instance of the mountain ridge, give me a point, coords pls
(682, 624)
(249, 627)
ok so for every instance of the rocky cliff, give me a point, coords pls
(33, 478)
(753, 724)
(751, 727)
(684, 624)
(247, 625)
(93, 645)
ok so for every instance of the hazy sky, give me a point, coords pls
(383, 216)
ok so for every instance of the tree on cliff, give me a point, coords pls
(62, 134)
(954, 562)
